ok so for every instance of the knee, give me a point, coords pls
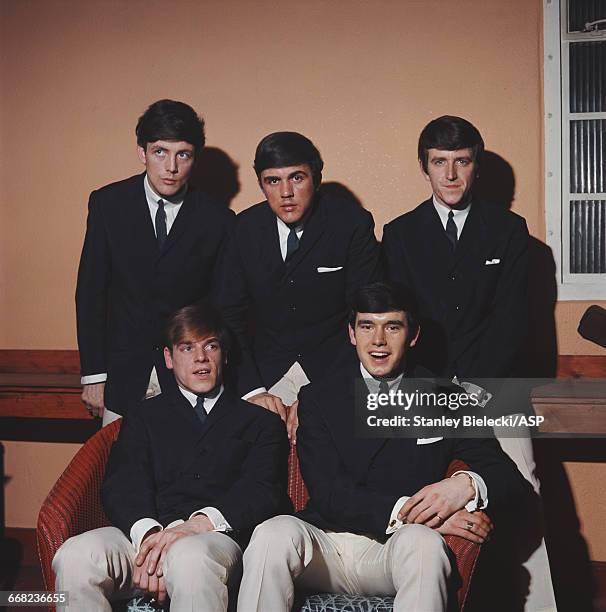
(188, 552)
(420, 542)
(277, 533)
(79, 551)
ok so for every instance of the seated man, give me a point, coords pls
(378, 508)
(191, 474)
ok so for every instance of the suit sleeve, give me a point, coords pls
(505, 484)
(233, 298)
(260, 489)
(128, 491)
(364, 256)
(394, 261)
(507, 323)
(337, 495)
(92, 292)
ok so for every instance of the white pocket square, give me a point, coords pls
(323, 269)
(492, 262)
(428, 440)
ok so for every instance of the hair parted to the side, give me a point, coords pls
(385, 296)
(170, 120)
(449, 133)
(194, 323)
(283, 149)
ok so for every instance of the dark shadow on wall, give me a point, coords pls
(497, 183)
(568, 553)
(338, 191)
(571, 569)
(216, 174)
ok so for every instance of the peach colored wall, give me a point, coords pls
(360, 78)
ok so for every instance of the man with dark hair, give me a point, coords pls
(378, 508)
(464, 260)
(292, 268)
(466, 263)
(192, 472)
(150, 247)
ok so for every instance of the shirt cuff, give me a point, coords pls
(139, 530)
(394, 522)
(480, 499)
(91, 379)
(254, 392)
(215, 517)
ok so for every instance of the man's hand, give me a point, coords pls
(473, 526)
(269, 402)
(292, 422)
(150, 560)
(435, 503)
(93, 397)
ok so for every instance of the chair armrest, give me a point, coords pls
(73, 505)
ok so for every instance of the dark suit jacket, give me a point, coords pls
(298, 313)
(354, 483)
(473, 315)
(127, 286)
(166, 464)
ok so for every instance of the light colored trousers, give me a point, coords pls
(96, 568)
(286, 552)
(541, 597)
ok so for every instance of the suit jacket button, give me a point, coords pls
(291, 281)
(196, 476)
(453, 277)
(293, 308)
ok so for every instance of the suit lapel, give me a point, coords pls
(269, 239)
(196, 429)
(473, 235)
(362, 450)
(141, 225)
(221, 409)
(181, 223)
(314, 228)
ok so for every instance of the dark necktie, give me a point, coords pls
(161, 224)
(383, 387)
(292, 244)
(200, 411)
(451, 230)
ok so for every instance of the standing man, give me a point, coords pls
(464, 260)
(192, 472)
(466, 263)
(378, 507)
(150, 247)
(292, 268)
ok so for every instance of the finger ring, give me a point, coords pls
(439, 518)
(469, 525)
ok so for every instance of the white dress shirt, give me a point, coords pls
(141, 527)
(172, 207)
(480, 499)
(459, 216)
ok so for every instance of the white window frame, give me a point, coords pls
(557, 152)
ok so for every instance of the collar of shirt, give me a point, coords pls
(373, 383)
(459, 217)
(171, 207)
(209, 401)
(283, 231)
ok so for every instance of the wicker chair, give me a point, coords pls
(74, 506)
